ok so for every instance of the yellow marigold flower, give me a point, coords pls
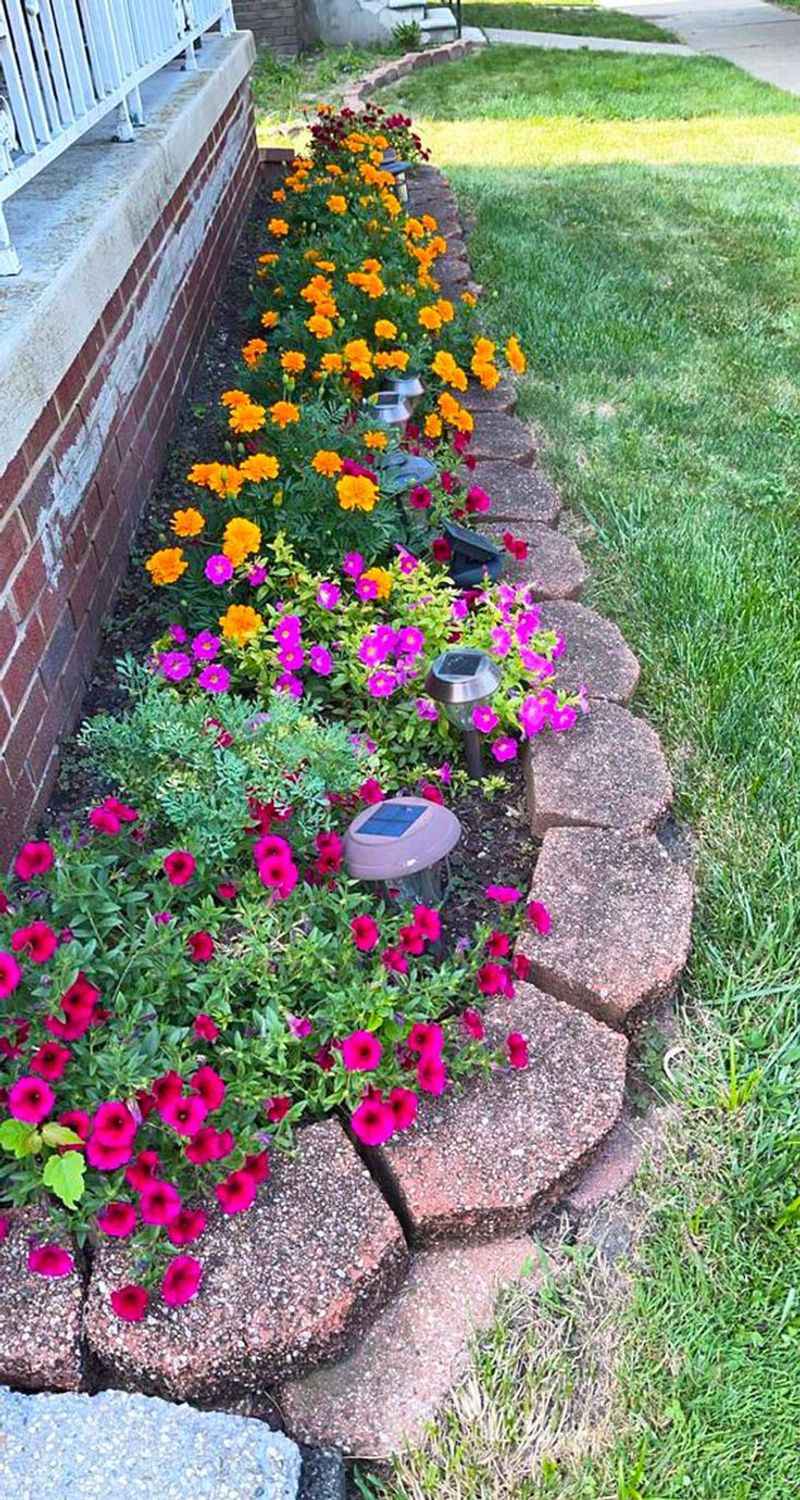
(293, 362)
(271, 258)
(278, 227)
(279, 196)
(484, 349)
(385, 329)
(515, 356)
(188, 522)
(334, 170)
(240, 623)
(445, 309)
(469, 298)
(337, 204)
(240, 538)
(321, 327)
(430, 318)
(269, 319)
(375, 440)
(398, 359)
(446, 367)
(260, 466)
(358, 357)
(391, 203)
(284, 412)
(317, 287)
(382, 360)
(356, 492)
(253, 351)
(433, 425)
(166, 566)
(354, 143)
(383, 579)
(487, 373)
(367, 282)
(332, 364)
(234, 398)
(371, 264)
(248, 416)
(325, 461)
(326, 265)
(414, 229)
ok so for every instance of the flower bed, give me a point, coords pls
(191, 974)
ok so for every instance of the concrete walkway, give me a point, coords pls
(762, 39)
(557, 41)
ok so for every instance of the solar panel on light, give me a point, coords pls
(391, 821)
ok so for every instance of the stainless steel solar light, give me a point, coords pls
(407, 388)
(389, 409)
(403, 841)
(463, 680)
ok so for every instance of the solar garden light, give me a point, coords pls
(408, 388)
(398, 170)
(401, 471)
(389, 409)
(403, 841)
(462, 681)
(473, 556)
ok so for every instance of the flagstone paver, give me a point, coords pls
(609, 771)
(502, 397)
(554, 567)
(621, 915)
(489, 1158)
(379, 1398)
(285, 1284)
(519, 494)
(498, 436)
(40, 1316)
(597, 655)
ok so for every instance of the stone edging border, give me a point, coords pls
(394, 1257)
(399, 67)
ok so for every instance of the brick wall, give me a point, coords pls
(274, 23)
(102, 438)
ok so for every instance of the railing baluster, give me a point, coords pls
(27, 67)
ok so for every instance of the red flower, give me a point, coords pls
(431, 793)
(271, 846)
(419, 497)
(227, 891)
(50, 1260)
(80, 1006)
(257, 1166)
(166, 1088)
(130, 1303)
(117, 1219)
(114, 1124)
(77, 1120)
(277, 1107)
(122, 810)
(204, 1028)
(323, 1057)
(370, 791)
(278, 873)
(428, 922)
(361, 1052)
(431, 1074)
(179, 867)
(208, 1084)
(142, 1170)
(472, 1022)
(394, 960)
(209, 1145)
(31, 1100)
(498, 945)
(426, 1037)
(10, 975)
(539, 917)
(107, 1156)
(515, 545)
(50, 1061)
(105, 820)
(365, 933)
(477, 500)
(491, 979)
(373, 1121)
(517, 1049)
(38, 942)
(403, 1103)
(412, 939)
(201, 946)
(521, 966)
(5, 904)
(33, 859)
(187, 1226)
(159, 1202)
(236, 1192)
(184, 1115)
(441, 549)
(181, 1280)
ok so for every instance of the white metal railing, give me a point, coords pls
(64, 64)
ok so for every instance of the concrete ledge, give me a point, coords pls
(80, 224)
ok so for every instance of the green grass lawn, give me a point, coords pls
(284, 87)
(574, 17)
(637, 223)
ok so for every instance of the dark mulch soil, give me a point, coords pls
(496, 848)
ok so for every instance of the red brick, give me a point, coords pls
(22, 666)
(13, 546)
(41, 433)
(12, 480)
(81, 589)
(37, 494)
(25, 726)
(56, 654)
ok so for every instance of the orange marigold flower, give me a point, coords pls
(284, 412)
(337, 204)
(321, 327)
(269, 319)
(385, 329)
(383, 579)
(391, 203)
(226, 480)
(484, 349)
(375, 440)
(234, 398)
(356, 492)
(253, 351)
(248, 416)
(433, 425)
(334, 170)
(240, 538)
(358, 357)
(271, 258)
(430, 223)
(293, 361)
(398, 359)
(279, 196)
(326, 265)
(445, 309)
(166, 566)
(371, 264)
(414, 229)
(188, 522)
(278, 227)
(260, 466)
(332, 364)
(469, 298)
(325, 461)
(240, 623)
(487, 373)
(317, 287)
(200, 474)
(430, 318)
(515, 356)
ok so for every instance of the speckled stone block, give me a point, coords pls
(452, 272)
(101, 1447)
(554, 567)
(518, 494)
(502, 397)
(488, 1159)
(498, 436)
(40, 1316)
(608, 771)
(596, 657)
(378, 1400)
(285, 1284)
(621, 921)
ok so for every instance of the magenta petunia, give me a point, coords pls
(214, 679)
(506, 895)
(175, 666)
(186, 1227)
(50, 1260)
(159, 1202)
(517, 1048)
(207, 1083)
(34, 858)
(201, 946)
(539, 917)
(205, 645)
(218, 569)
(37, 941)
(181, 1280)
(353, 564)
(321, 661)
(361, 1052)
(130, 1302)
(484, 718)
(373, 1122)
(431, 1074)
(10, 975)
(365, 933)
(184, 1115)
(404, 1104)
(30, 1100)
(236, 1192)
(117, 1219)
(504, 748)
(204, 1028)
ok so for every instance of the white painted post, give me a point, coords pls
(9, 260)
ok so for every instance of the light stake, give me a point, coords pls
(463, 680)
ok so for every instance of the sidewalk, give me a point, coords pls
(762, 39)
(557, 40)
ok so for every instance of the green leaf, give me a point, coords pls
(22, 1139)
(59, 1135)
(64, 1176)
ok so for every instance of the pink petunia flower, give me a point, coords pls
(130, 1302)
(10, 975)
(404, 1104)
(236, 1192)
(353, 564)
(517, 1048)
(186, 1227)
(205, 645)
(204, 1028)
(181, 1280)
(33, 859)
(365, 933)
(117, 1219)
(30, 1100)
(214, 679)
(201, 946)
(50, 1260)
(37, 941)
(504, 748)
(328, 595)
(539, 917)
(361, 1052)
(506, 895)
(175, 666)
(373, 1122)
(218, 569)
(159, 1202)
(179, 867)
(484, 718)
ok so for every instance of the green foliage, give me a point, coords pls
(407, 36)
(192, 773)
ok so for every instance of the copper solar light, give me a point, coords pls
(463, 680)
(403, 842)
